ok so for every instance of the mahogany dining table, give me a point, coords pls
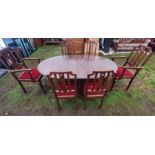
(78, 64)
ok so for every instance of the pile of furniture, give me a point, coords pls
(128, 44)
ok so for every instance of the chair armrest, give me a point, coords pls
(20, 70)
(137, 69)
(13, 72)
(130, 67)
(38, 59)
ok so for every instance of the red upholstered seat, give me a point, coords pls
(126, 74)
(95, 93)
(26, 76)
(69, 92)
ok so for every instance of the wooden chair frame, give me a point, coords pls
(90, 48)
(98, 80)
(65, 79)
(11, 59)
(70, 47)
(135, 61)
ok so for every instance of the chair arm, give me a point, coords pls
(118, 57)
(13, 72)
(20, 70)
(38, 59)
(130, 67)
(137, 69)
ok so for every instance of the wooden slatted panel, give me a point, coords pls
(62, 81)
(139, 56)
(98, 80)
(90, 48)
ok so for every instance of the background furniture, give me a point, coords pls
(152, 44)
(79, 46)
(52, 40)
(27, 45)
(73, 46)
(78, 64)
(133, 64)
(38, 41)
(128, 44)
(11, 59)
(64, 86)
(97, 85)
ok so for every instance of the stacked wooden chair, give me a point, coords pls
(133, 64)
(11, 59)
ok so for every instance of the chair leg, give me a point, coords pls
(100, 106)
(85, 102)
(58, 103)
(21, 85)
(76, 105)
(129, 84)
(112, 86)
(41, 85)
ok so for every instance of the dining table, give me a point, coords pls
(80, 65)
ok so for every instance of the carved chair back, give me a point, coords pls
(138, 56)
(73, 47)
(101, 81)
(90, 48)
(63, 82)
(11, 59)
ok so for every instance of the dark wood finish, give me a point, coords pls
(11, 59)
(97, 85)
(52, 41)
(128, 44)
(79, 46)
(78, 64)
(73, 46)
(38, 41)
(64, 85)
(90, 48)
(134, 63)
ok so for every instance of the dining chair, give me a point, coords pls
(64, 85)
(90, 48)
(73, 47)
(11, 60)
(133, 65)
(97, 85)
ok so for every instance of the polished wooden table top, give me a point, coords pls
(78, 64)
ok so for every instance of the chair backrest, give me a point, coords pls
(101, 81)
(62, 81)
(11, 59)
(139, 56)
(90, 48)
(73, 47)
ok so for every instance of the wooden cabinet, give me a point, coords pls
(38, 41)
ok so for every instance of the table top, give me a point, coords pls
(78, 64)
